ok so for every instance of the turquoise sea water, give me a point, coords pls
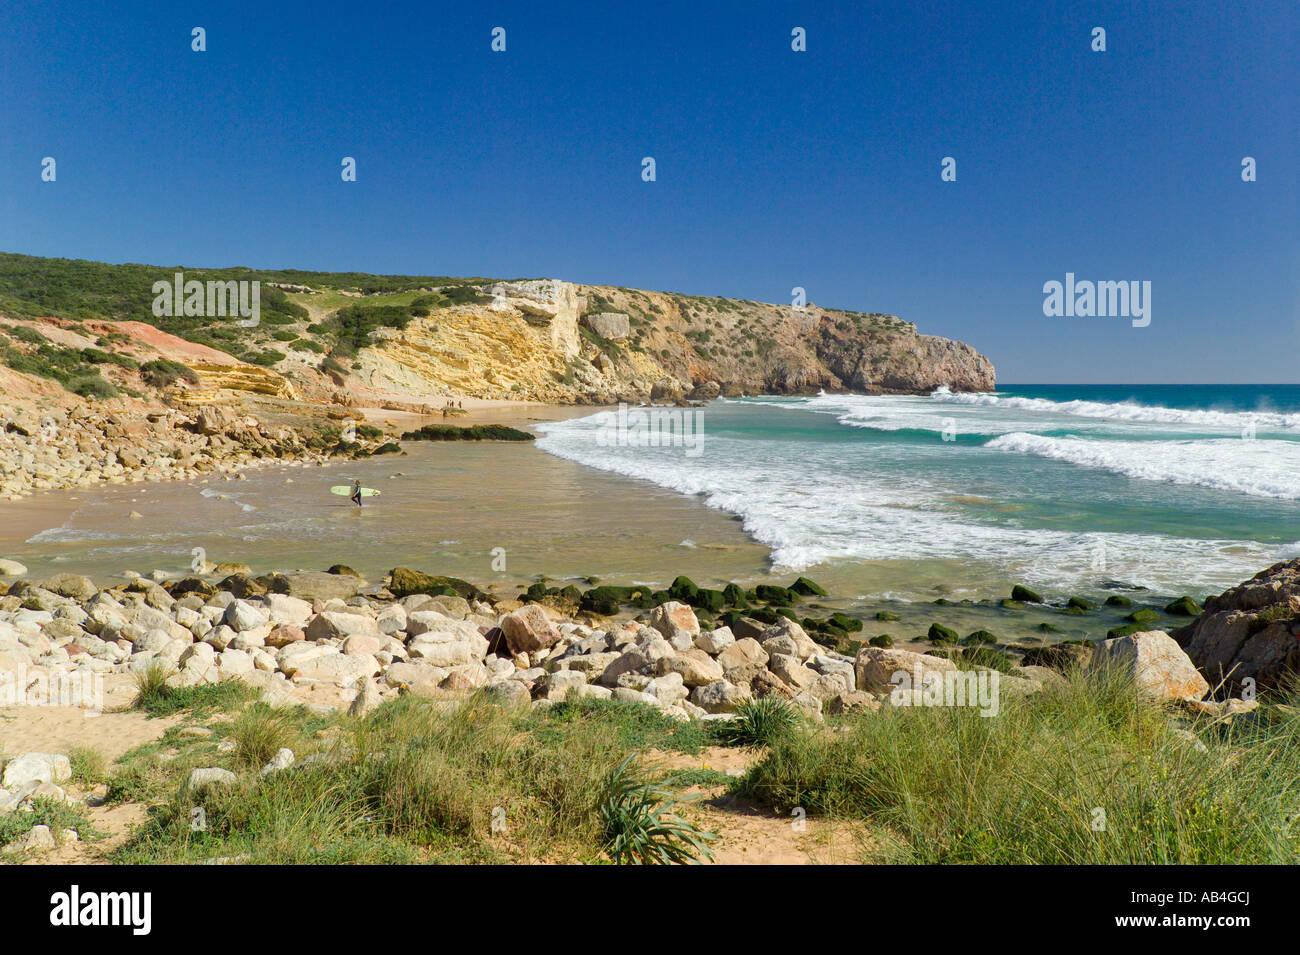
(1077, 488)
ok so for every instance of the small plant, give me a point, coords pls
(260, 732)
(758, 722)
(640, 827)
(89, 768)
(151, 686)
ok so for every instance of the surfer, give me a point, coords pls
(356, 493)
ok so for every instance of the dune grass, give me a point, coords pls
(413, 782)
(1087, 774)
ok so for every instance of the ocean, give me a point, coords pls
(1071, 488)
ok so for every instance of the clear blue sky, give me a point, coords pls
(775, 168)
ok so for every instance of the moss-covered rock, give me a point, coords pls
(1025, 595)
(405, 582)
(1007, 604)
(1078, 605)
(883, 640)
(1184, 606)
(1118, 600)
(985, 656)
(979, 637)
(940, 634)
(807, 588)
(846, 623)
(342, 569)
(710, 600)
(683, 589)
(1145, 616)
(887, 615)
(735, 596)
(776, 596)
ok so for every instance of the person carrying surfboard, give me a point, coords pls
(356, 493)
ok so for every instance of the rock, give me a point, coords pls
(1155, 662)
(31, 769)
(72, 586)
(283, 610)
(744, 652)
(556, 686)
(529, 629)
(36, 839)
(1025, 595)
(366, 701)
(282, 760)
(854, 701)
(201, 780)
(1061, 657)
(786, 636)
(241, 616)
(1222, 711)
(791, 671)
(676, 621)
(765, 683)
(714, 642)
(667, 689)
(363, 643)
(335, 625)
(318, 585)
(876, 666)
(11, 568)
(720, 696)
(507, 692)
(706, 391)
(283, 636)
(1251, 631)
(696, 667)
(610, 325)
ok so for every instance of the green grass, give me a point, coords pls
(945, 785)
(157, 698)
(640, 826)
(45, 812)
(758, 723)
(411, 783)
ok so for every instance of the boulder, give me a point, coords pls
(1155, 662)
(714, 642)
(31, 769)
(744, 652)
(200, 780)
(1251, 631)
(720, 696)
(335, 625)
(529, 629)
(875, 667)
(72, 586)
(696, 667)
(677, 622)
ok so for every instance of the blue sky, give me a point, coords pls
(775, 169)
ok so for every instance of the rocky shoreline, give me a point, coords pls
(82, 447)
(330, 639)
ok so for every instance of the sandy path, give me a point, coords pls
(753, 835)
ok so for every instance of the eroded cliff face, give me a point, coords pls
(553, 341)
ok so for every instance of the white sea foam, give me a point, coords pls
(1128, 411)
(809, 507)
(1258, 468)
